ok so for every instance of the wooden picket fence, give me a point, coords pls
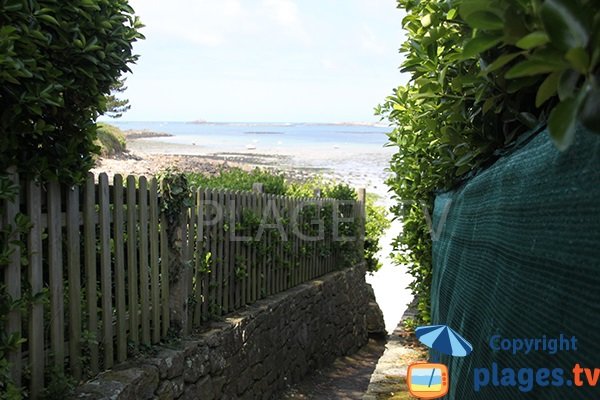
(101, 252)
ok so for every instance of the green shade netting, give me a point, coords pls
(518, 255)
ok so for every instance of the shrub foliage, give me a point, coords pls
(275, 183)
(58, 61)
(484, 73)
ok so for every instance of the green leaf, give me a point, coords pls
(48, 18)
(589, 114)
(426, 20)
(464, 160)
(500, 62)
(515, 26)
(451, 14)
(527, 119)
(463, 169)
(469, 7)
(488, 104)
(548, 88)
(531, 68)
(567, 83)
(579, 59)
(595, 43)
(521, 4)
(479, 44)
(516, 85)
(534, 39)
(16, 6)
(485, 20)
(562, 121)
(566, 24)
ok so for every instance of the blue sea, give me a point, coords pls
(266, 136)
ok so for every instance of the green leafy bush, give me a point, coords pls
(238, 179)
(275, 183)
(58, 61)
(376, 224)
(483, 74)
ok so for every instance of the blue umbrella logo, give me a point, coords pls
(444, 339)
(431, 380)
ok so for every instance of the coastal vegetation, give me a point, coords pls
(111, 140)
(485, 75)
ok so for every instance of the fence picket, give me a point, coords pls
(207, 254)
(253, 266)
(319, 244)
(238, 253)
(144, 260)
(280, 243)
(200, 291)
(89, 222)
(105, 271)
(212, 286)
(243, 264)
(36, 280)
(154, 261)
(228, 206)
(119, 254)
(291, 245)
(55, 264)
(190, 242)
(236, 249)
(164, 276)
(132, 248)
(219, 239)
(260, 245)
(74, 279)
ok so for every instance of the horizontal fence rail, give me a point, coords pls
(104, 273)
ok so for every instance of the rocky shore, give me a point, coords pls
(148, 156)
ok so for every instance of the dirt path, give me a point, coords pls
(347, 378)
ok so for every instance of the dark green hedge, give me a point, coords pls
(58, 60)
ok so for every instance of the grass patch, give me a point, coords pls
(110, 139)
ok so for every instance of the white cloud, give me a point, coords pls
(217, 22)
(204, 22)
(286, 14)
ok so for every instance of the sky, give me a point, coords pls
(264, 60)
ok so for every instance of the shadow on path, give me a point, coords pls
(347, 378)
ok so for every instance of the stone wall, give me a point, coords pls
(254, 353)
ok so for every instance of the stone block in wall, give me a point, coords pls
(169, 362)
(197, 362)
(139, 382)
(165, 391)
